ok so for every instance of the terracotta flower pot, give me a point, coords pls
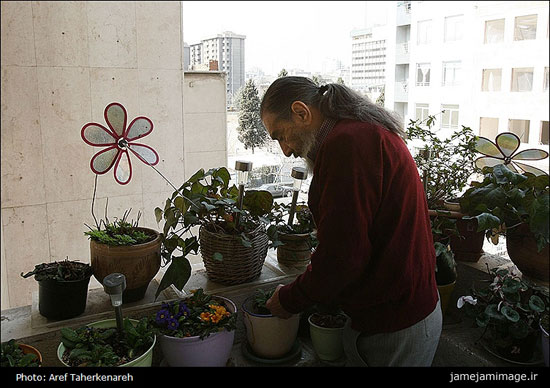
(269, 337)
(31, 349)
(296, 250)
(138, 263)
(445, 292)
(469, 245)
(522, 249)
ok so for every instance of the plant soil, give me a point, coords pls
(332, 321)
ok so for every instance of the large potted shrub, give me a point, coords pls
(196, 331)
(509, 309)
(62, 288)
(233, 239)
(122, 246)
(446, 170)
(101, 344)
(268, 337)
(16, 354)
(518, 206)
(297, 240)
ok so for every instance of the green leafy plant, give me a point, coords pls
(445, 265)
(13, 356)
(505, 200)
(260, 299)
(329, 320)
(65, 270)
(303, 223)
(509, 307)
(206, 200)
(451, 163)
(119, 232)
(91, 346)
(199, 315)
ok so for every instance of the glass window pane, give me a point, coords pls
(491, 80)
(522, 79)
(424, 32)
(488, 127)
(544, 132)
(494, 31)
(525, 27)
(453, 28)
(520, 128)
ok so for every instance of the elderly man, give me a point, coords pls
(375, 257)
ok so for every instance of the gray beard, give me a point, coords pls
(308, 142)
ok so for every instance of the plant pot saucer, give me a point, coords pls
(293, 353)
(536, 359)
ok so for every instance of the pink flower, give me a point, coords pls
(117, 140)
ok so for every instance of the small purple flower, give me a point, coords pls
(162, 316)
(184, 310)
(172, 323)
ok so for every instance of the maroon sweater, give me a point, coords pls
(375, 257)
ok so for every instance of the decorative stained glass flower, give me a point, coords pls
(117, 140)
(502, 151)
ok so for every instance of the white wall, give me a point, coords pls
(61, 64)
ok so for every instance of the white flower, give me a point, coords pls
(468, 299)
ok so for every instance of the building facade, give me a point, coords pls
(227, 49)
(368, 59)
(481, 64)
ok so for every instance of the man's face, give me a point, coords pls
(295, 136)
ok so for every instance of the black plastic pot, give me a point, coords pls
(62, 299)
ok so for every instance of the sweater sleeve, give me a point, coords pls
(349, 181)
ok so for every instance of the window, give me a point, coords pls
(520, 128)
(544, 132)
(451, 73)
(546, 79)
(422, 112)
(488, 127)
(525, 27)
(522, 79)
(491, 80)
(453, 28)
(422, 74)
(494, 31)
(424, 32)
(449, 117)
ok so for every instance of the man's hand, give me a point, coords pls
(274, 305)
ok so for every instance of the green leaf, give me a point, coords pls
(259, 202)
(178, 274)
(510, 314)
(158, 214)
(217, 256)
(536, 304)
(487, 221)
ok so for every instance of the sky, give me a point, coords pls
(282, 34)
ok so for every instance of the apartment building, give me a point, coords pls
(368, 59)
(483, 64)
(227, 49)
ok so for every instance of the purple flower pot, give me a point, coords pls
(213, 350)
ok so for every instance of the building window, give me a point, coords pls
(491, 80)
(451, 73)
(494, 31)
(525, 27)
(422, 112)
(453, 28)
(544, 133)
(424, 32)
(546, 79)
(449, 117)
(422, 74)
(522, 79)
(488, 127)
(520, 128)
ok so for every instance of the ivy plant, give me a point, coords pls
(207, 200)
(13, 356)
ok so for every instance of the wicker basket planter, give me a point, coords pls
(239, 264)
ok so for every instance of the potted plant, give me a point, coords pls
(509, 309)
(15, 354)
(196, 331)
(124, 247)
(296, 241)
(100, 344)
(446, 170)
(517, 205)
(326, 329)
(65, 281)
(268, 336)
(232, 237)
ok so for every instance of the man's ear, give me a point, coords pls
(302, 111)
